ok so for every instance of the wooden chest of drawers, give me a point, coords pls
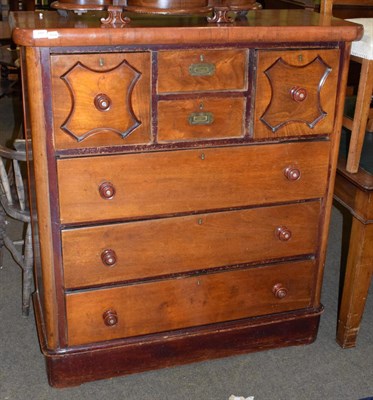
(181, 186)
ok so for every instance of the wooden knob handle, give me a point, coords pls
(283, 233)
(106, 190)
(102, 102)
(298, 94)
(292, 173)
(109, 257)
(110, 317)
(279, 291)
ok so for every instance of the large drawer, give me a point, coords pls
(202, 70)
(101, 99)
(150, 184)
(158, 306)
(296, 92)
(202, 118)
(136, 250)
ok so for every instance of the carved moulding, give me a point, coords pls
(295, 93)
(101, 101)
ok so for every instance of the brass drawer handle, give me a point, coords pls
(107, 190)
(292, 173)
(109, 257)
(283, 233)
(201, 118)
(202, 69)
(110, 317)
(279, 291)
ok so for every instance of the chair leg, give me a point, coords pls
(27, 272)
(360, 120)
(2, 233)
(359, 271)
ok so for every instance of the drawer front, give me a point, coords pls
(136, 250)
(101, 99)
(133, 310)
(202, 118)
(202, 70)
(296, 92)
(148, 184)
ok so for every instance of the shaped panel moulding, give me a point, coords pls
(101, 101)
(295, 93)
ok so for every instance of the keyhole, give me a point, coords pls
(300, 58)
(101, 62)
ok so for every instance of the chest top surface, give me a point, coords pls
(49, 29)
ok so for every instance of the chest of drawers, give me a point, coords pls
(181, 186)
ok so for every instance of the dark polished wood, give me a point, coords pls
(144, 353)
(183, 184)
(284, 28)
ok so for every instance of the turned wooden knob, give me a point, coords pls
(298, 94)
(292, 173)
(102, 102)
(279, 291)
(283, 233)
(109, 257)
(106, 190)
(110, 317)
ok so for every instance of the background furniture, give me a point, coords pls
(13, 199)
(183, 185)
(9, 63)
(355, 193)
(361, 52)
(4, 32)
(354, 186)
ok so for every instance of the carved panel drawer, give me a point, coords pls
(101, 99)
(157, 306)
(146, 184)
(202, 118)
(202, 70)
(296, 92)
(136, 250)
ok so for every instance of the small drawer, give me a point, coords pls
(202, 118)
(202, 70)
(159, 183)
(296, 92)
(101, 99)
(136, 250)
(171, 304)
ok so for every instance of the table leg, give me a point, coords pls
(356, 283)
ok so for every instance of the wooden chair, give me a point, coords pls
(355, 193)
(13, 204)
(354, 186)
(361, 52)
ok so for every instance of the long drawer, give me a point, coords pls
(136, 250)
(149, 184)
(132, 310)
